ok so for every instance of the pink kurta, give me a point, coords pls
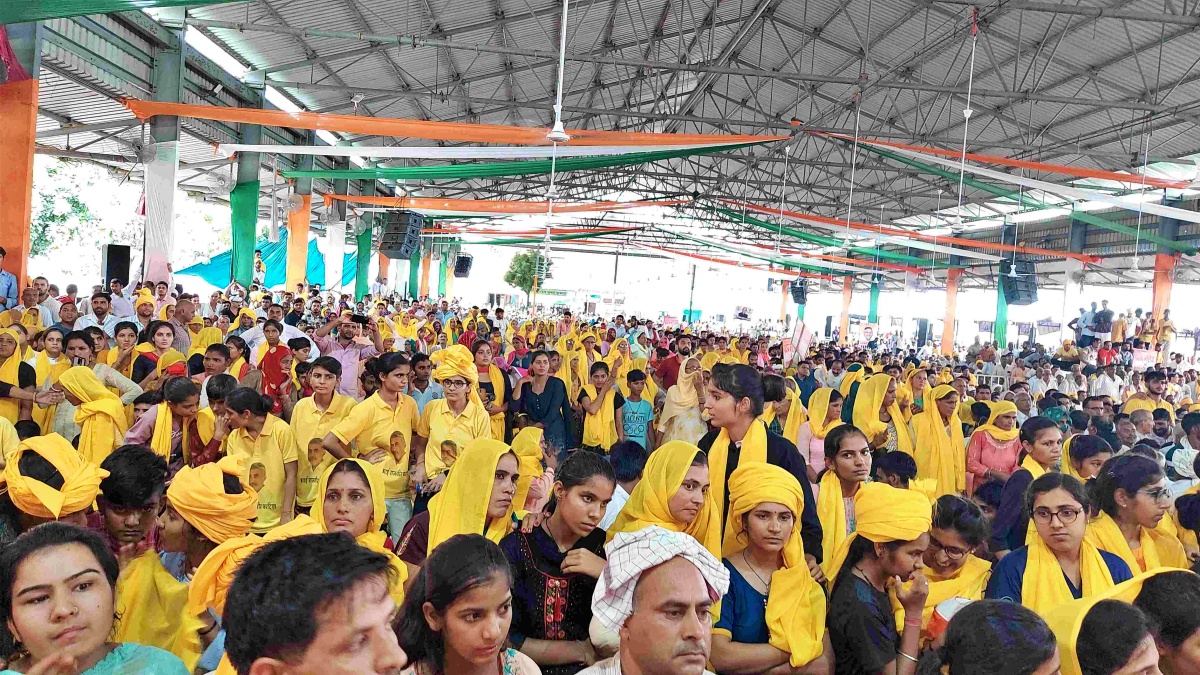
(985, 452)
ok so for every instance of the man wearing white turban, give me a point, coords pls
(656, 591)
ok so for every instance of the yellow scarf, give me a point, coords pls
(831, 511)
(620, 349)
(661, 479)
(81, 480)
(1043, 586)
(10, 408)
(114, 354)
(527, 444)
(796, 604)
(907, 393)
(682, 395)
(160, 440)
(969, 581)
(940, 455)
(1158, 549)
(47, 374)
(855, 373)
(100, 415)
(461, 507)
(497, 379)
(600, 429)
(796, 417)
(374, 538)
(1031, 465)
(1000, 408)
(818, 410)
(152, 605)
(866, 412)
(754, 449)
(204, 339)
(198, 495)
(236, 367)
(883, 513)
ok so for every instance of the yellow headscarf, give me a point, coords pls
(1066, 620)
(940, 455)
(796, 605)
(374, 538)
(458, 360)
(621, 372)
(906, 392)
(204, 339)
(866, 412)
(682, 396)
(818, 410)
(152, 605)
(946, 376)
(144, 297)
(161, 439)
(600, 429)
(198, 495)
(47, 374)
(527, 444)
(165, 312)
(10, 408)
(796, 416)
(855, 373)
(883, 513)
(461, 507)
(81, 479)
(1043, 586)
(1000, 408)
(754, 449)
(661, 479)
(100, 415)
(1158, 549)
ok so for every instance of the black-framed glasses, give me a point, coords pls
(952, 552)
(454, 384)
(1159, 494)
(1066, 516)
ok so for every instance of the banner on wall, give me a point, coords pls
(1045, 326)
(985, 326)
(1143, 359)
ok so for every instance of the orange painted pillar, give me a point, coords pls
(952, 276)
(783, 300)
(18, 118)
(298, 222)
(847, 294)
(449, 284)
(385, 266)
(1164, 269)
(425, 260)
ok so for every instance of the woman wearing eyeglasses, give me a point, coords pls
(1041, 450)
(1058, 565)
(1132, 496)
(459, 417)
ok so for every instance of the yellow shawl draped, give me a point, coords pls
(1158, 549)
(754, 449)
(600, 429)
(152, 605)
(866, 412)
(527, 444)
(682, 396)
(1000, 408)
(47, 374)
(100, 414)
(940, 454)
(1043, 586)
(831, 511)
(462, 505)
(497, 382)
(969, 582)
(818, 410)
(10, 408)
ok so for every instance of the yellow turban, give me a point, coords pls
(527, 444)
(866, 412)
(795, 604)
(246, 312)
(940, 454)
(198, 495)
(100, 415)
(374, 538)
(462, 505)
(661, 479)
(144, 297)
(882, 514)
(203, 340)
(818, 410)
(81, 479)
(457, 360)
(1000, 408)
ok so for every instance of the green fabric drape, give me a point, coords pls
(442, 274)
(20, 11)
(530, 167)
(873, 313)
(1000, 327)
(243, 217)
(414, 269)
(363, 264)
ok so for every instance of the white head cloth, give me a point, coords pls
(631, 553)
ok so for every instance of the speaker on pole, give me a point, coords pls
(462, 265)
(401, 234)
(800, 291)
(114, 263)
(1019, 282)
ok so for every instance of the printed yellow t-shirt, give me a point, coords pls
(308, 424)
(265, 459)
(370, 425)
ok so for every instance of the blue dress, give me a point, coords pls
(1007, 576)
(743, 610)
(133, 658)
(552, 409)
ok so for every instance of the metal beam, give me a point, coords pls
(86, 128)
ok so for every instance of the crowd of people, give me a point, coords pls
(295, 482)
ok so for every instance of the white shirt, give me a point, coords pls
(121, 306)
(1104, 385)
(108, 325)
(620, 496)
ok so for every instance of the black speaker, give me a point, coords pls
(1020, 289)
(800, 292)
(114, 263)
(401, 234)
(462, 265)
(923, 333)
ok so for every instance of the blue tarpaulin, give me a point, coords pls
(216, 270)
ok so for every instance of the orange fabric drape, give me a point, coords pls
(847, 294)
(897, 232)
(428, 130)
(493, 205)
(18, 118)
(952, 276)
(425, 260)
(297, 245)
(385, 265)
(1164, 268)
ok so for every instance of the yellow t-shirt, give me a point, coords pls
(1166, 331)
(438, 423)
(370, 425)
(265, 458)
(309, 423)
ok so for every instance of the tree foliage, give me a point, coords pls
(59, 213)
(524, 269)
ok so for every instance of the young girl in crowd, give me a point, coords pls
(262, 440)
(1132, 498)
(313, 417)
(555, 568)
(878, 416)
(991, 637)
(58, 605)
(1041, 444)
(602, 402)
(995, 446)
(48, 365)
(939, 441)
(156, 354)
(1083, 455)
(824, 414)
(494, 388)
(170, 428)
(847, 467)
(456, 618)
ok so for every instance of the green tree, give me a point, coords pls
(524, 268)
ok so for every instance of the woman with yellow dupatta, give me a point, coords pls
(824, 414)
(913, 395)
(568, 369)
(121, 357)
(167, 427)
(1041, 449)
(477, 498)
(672, 494)
(993, 453)
(48, 364)
(854, 373)
(157, 358)
(680, 419)
(847, 468)
(733, 402)
(532, 484)
(878, 416)
(350, 500)
(602, 415)
(203, 339)
(892, 533)
(774, 611)
(621, 361)
(18, 377)
(959, 528)
(495, 391)
(99, 414)
(1132, 496)
(1059, 563)
(939, 449)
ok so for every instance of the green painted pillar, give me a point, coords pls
(873, 313)
(1000, 328)
(442, 273)
(414, 269)
(243, 207)
(363, 271)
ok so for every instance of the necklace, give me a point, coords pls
(765, 582)
(863, 575)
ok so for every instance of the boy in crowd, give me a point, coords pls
(129, 500)
(638, 413)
